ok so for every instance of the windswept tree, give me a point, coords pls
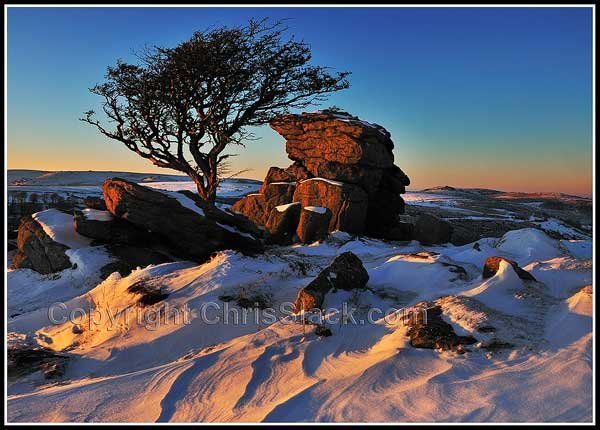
(183, 107)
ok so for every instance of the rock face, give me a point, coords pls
(253, 207)
(346, 272)
(277, 194)
(492, 264)
(431, 229)
(341, 163)
(313, 224)
(187, 231)
(326, 136)
(37, 251)
(282, 223)
(348, 203)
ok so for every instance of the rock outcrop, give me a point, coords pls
(182, 226)
(346, 272)
(341, 163)
(492, 264)
(37, 251)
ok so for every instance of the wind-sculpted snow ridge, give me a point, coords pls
(532, 361)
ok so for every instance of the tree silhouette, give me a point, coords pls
(182, 107)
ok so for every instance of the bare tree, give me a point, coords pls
(182, 107)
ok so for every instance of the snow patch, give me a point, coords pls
(59, 226)
(97, 215)
(283, 208)
(317, 209)
(329, 181)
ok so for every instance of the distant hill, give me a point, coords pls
(506, 195)
(82, 178)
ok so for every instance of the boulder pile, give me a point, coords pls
(340, 163)
(139, 226)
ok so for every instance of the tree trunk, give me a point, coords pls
(207, 192)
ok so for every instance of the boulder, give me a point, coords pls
(313, 224)
(432, 230)
(400, 231)
(492, 264)
(346, 272)
(277, 194)
(252, 206)
(348, 203)
(181, 225)
(462, 235)
(282, 223)
(104, 227)
(94, 203)
(37, 251)
(314, 138)
(428, 330)
(276, 174)
(239, 222)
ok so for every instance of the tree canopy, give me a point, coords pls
(181, 107)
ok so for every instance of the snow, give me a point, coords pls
(84, 184)
(185, 201)
(555, 225)
(581, 249)
(97, 215)
(283, 208)
(81, 178)
(235, 230)
(213, 370)
(317, 209)
(228, 188)
(59, 226)
(329, 181)
(527, 245)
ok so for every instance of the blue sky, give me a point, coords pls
(481, 97)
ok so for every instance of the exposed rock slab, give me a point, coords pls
(186, 232)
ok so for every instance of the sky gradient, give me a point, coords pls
(473, 97)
